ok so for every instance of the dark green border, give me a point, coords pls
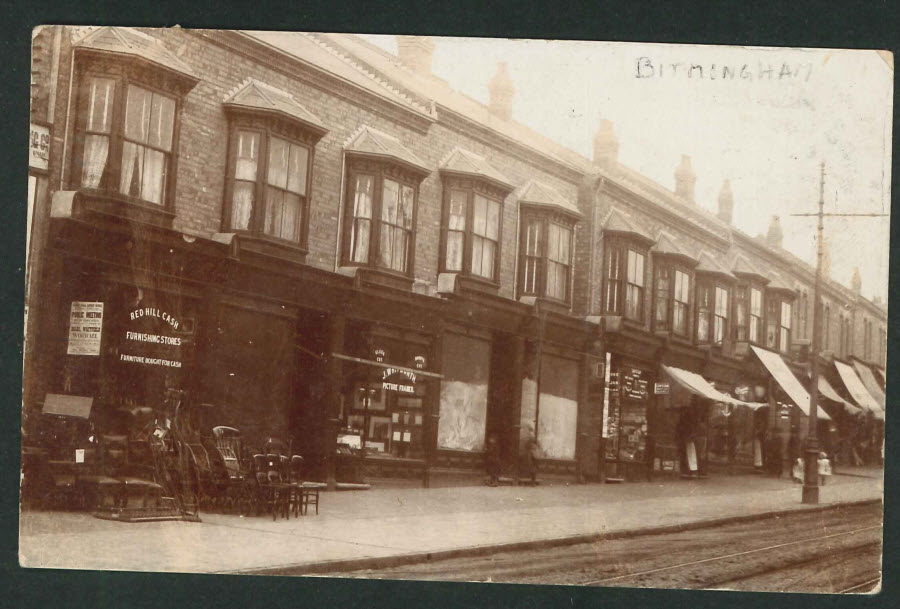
(848, 25)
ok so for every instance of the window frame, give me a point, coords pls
(674, 268)
(380, 169)
(544, 218)
(472, 187)
(125, 74)
(774, 320)
(619, 245)
(714, 285)
(246, 120)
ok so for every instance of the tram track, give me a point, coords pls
(831, 550)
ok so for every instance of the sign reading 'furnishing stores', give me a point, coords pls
(151, 348)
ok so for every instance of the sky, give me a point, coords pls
(765, 118)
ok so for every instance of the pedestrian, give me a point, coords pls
(824, 466)
(797, 470)
(492, 460)
(532, 454)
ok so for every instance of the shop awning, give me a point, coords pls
(827, 391)
(869, 382)
(856, 388)
(783, 375)
(68, 405)
(698, 385)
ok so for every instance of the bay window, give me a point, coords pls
(471, 229)
(785, 335)
(741, 308)
(124, 134)
(755, 314)
(545, 254)
(271, 156)
(380, 217)
(126, 114)
(625, 279)
(671, 297)
(704, 310)
(712, 312)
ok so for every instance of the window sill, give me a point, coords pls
(548, 304)
(271, 246)
(381, 277)
(123, 206)
(470, 283)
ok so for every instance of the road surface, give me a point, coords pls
(833, 550)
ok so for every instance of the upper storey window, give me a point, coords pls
(472, 219)
(673, 272)
(380, 203)
(546, 242)
(714, 284)
(779, 310)
(626, 245)
(271, 158)
(127, 115)
(748, 301)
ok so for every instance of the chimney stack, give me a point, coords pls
(726, 203)
(685, 178)
(501, 89)
(775, 236)
(856, 281)
(606, 145)
(416, 52)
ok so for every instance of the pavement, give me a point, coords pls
(390, 526)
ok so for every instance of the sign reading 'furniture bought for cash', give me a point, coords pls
(85, 328)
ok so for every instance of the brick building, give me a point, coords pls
(329, 244)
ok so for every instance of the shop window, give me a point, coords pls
(125, 134)
(472, 227)
(671, 298)
(546, 256)
(380, 217)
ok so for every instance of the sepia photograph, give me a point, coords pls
(430, 308)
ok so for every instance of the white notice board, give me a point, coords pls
(85, 328)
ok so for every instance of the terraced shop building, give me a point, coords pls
(330, 245)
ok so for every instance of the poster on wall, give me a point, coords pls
(85, 328)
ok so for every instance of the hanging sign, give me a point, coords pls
(85, 328)
(39, 147)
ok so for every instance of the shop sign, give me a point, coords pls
(633, 385)
(605, 431)
(402, 381)
(419, 362)
(39, 147)
(85, 328)
(142, 340)
(661, 388)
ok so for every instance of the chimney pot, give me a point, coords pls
(775, 236)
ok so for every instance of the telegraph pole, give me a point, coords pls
(811, 456)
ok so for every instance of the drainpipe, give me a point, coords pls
(62, 169)
(337, 244)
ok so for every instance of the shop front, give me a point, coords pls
(627, 405)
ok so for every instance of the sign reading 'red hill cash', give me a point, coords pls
(151, 348)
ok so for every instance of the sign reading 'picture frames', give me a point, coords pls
(85, 328)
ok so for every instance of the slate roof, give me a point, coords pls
(618, 221)
(368, 141)
(709, 264)
(742, 266)
(468, 163)
(260, 96)
(131, 42)
(541, 195)
(668, 245)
